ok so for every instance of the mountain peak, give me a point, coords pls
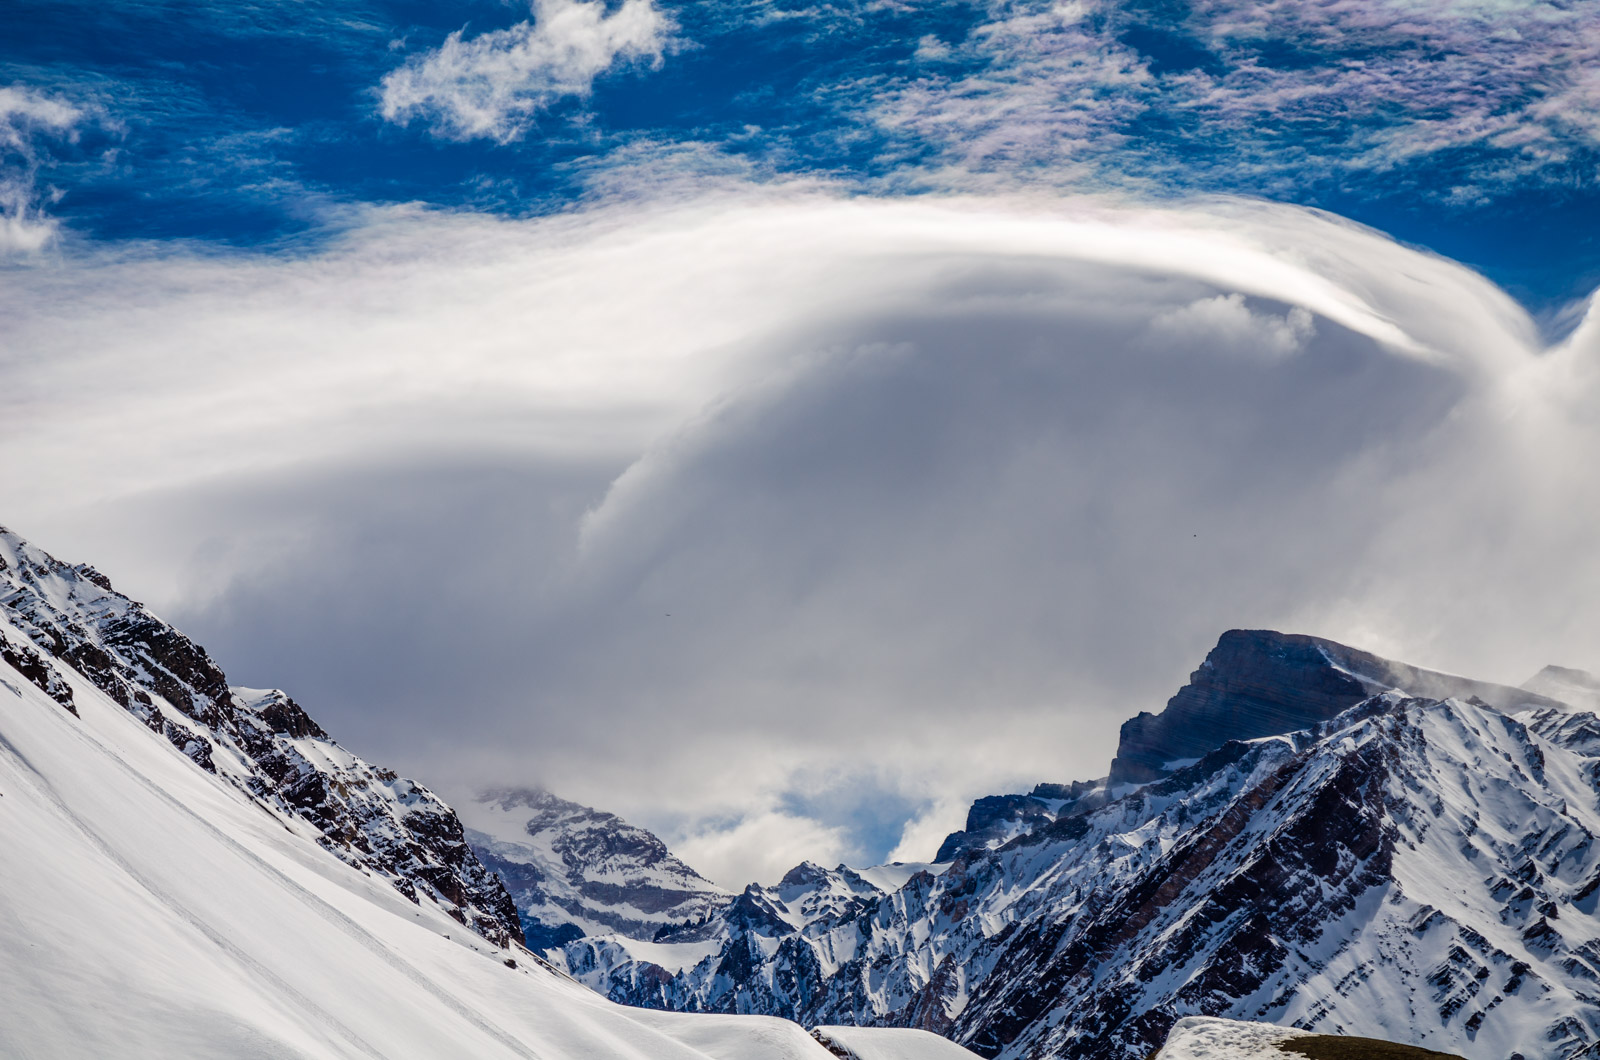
(1259, 682)
(576, 871)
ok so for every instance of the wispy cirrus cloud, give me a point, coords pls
(495, 84)
(27, 118)
(1265, 95)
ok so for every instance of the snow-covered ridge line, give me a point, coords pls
(1411, 869)
(56, 617)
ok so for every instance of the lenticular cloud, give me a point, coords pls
(652, 486)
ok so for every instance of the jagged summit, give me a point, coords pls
(1259, 682)
(575, 871)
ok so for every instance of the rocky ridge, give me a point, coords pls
(1411, 868)
(54, 615)
(1259, 682)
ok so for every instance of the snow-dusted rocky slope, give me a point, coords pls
(574, 871)
(1209, 1038)
(1412, 869)
(66, 620)
(164, 892)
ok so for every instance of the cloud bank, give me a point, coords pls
(799, 517)
(495, 85)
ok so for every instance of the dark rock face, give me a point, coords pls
(261, 741)
(1257, 683)
(38, 670)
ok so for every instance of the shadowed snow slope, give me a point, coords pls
(152, 907)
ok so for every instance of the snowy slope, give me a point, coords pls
(150, 907)
(66, 620)
(575, 871)
(1208, 1038)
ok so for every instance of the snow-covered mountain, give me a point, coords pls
(190, 870)
(1408, 867)
(63, 620)
(574, 871)
(197, 869)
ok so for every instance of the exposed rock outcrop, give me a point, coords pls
(995, 820)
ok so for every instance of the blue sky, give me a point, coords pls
(781, 423)
(1464, 127)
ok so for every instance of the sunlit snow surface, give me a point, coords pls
(148, 909)
(899, 1043)
(1203, 1038)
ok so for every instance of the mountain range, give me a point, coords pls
(189, 869)
(1308, 834)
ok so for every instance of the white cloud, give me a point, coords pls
(759, 848)
(673, 507)
(1224, 323)
(25, 118)
(1296, 92)
(495, 84)
(922, 835)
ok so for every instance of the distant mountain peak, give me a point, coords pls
(575, 871)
